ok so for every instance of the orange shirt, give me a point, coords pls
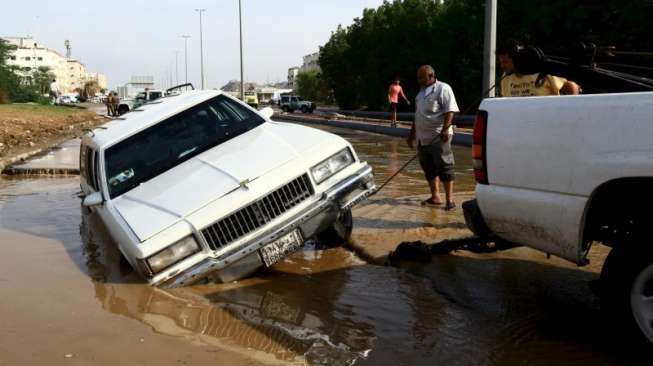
(393, 93)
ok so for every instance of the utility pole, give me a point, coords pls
(176, 67)
(489, 47)
(185, 37)
(242, 78)
(200, 11)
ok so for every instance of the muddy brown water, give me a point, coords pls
(68, 298)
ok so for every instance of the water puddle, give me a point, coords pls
(321, 306)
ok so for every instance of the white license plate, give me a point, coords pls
(280, 248)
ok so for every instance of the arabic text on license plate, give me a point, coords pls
(281, 247)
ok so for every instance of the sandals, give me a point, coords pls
(450, 206)
(431, 203)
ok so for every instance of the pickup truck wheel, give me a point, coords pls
(339, 232)
(285, 108)
(627, 292)
(304, 109)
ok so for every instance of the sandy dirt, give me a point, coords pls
(27, 128)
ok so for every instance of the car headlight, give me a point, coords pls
(332, 165)
(178, 251)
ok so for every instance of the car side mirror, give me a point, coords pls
(93, 199)
(267, 112)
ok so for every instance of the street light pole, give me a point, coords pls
(200, 11)
(177, 67)
(242, 80)
(185, 37)
(489, 46)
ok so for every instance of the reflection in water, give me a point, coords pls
(272, 318)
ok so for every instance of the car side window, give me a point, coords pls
(82, 162)
(90, 169)
(88, 162)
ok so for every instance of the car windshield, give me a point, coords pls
(169, 143)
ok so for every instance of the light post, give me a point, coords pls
(200, 11)
(177, 67)
(242, 79)
(489, 47)
(185, 37)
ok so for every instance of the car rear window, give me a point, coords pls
(175, 140)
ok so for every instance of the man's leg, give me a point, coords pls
(434, 185)
(448, 190)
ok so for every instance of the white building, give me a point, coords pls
(292, 76)
(136, 85)
(310, 62)
(70, 74)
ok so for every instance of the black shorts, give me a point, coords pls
(393, 106)
(437, 160)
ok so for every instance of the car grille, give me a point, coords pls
(258, 214)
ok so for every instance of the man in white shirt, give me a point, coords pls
(54, 92)
(435, 105)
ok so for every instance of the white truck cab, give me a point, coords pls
(201, 185)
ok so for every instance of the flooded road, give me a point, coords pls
(69, 299)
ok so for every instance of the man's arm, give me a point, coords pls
(404, 95)
(570, 88)
(448, 121)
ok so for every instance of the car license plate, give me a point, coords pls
(280, 248)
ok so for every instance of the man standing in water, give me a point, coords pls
(435, 105)
(394, 92)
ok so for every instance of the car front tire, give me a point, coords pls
(340, 232)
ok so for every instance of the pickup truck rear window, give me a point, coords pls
(169, 143)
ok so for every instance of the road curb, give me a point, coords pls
(459, 138)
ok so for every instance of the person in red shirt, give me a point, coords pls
(394, 92)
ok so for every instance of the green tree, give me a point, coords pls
(311, 86)
(8, 78)
(42, 78)
(21, 84)
(358, 62)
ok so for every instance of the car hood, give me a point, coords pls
(168, 198)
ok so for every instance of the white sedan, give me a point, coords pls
(199, 185)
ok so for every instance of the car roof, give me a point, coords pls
(147, 115)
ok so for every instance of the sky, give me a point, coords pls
(122, 38)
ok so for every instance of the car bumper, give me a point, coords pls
(245, 259)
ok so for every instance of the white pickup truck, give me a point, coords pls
(560, 173)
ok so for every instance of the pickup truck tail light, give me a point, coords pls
(479, 151)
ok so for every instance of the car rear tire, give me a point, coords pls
(627, 292)
(285, 108)
(340, 232)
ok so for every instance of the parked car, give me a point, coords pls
(559, 174)
(128, 104)
(201, 185)
(291, 103)
(251, 98)
(67, 99)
